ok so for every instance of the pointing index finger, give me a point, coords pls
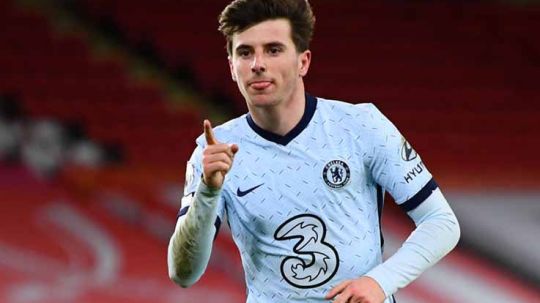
(209, 133)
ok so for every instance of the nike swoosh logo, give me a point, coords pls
(241, 193)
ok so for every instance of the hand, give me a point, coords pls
(361, 290)
(217, 158)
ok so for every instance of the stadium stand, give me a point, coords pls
(68, 84)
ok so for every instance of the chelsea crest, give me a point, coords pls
(336, 174)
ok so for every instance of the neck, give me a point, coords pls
(283, 117)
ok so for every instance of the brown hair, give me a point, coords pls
(239, 15)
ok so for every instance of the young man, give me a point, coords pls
(304, 196)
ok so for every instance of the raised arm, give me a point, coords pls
(191, 243)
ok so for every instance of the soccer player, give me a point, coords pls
(304, 195)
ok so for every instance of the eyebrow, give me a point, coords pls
(266, 45)
(274, 44)
(242, 47)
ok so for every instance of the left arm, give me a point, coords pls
(395, 166)
(437, 233)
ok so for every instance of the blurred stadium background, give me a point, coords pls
(101, 100)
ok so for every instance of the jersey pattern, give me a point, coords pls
(304, 209)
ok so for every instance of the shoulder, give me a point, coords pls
(366, 115)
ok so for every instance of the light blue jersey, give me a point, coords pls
(304, 209)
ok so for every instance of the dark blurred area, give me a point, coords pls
(101, 101)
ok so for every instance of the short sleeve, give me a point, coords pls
(193, 179)
(395, 165)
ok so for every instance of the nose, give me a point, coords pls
(258, 65)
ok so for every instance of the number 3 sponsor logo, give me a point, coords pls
(315, 261)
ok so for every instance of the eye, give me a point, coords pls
(274, 50)
(244, 53)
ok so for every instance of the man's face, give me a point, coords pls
(265, 64)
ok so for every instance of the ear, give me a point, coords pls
(304, 62)
(231, 67)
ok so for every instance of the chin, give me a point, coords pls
(262, 100)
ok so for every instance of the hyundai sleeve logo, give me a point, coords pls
(407, 152)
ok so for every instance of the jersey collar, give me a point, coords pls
(311, 105)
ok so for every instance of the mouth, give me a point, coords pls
(260, 84)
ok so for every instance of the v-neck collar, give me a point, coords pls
(309, 111)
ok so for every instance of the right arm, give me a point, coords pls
(191, 243)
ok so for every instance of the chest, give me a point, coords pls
(323, 176)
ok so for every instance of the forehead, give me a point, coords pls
(269, 31)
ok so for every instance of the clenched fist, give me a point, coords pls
(217, 158)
